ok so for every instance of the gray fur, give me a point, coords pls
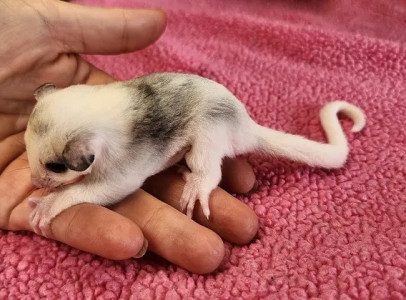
(224, 110)
(161, 111)
(39, 125)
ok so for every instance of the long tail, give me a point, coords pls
(295, 147)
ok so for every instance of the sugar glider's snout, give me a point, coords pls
(57, 174)
(75, 161)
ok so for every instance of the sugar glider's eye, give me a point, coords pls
(56, 167)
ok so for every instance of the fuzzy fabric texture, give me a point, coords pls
(323, 234)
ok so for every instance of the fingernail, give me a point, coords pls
(254, 188)
(143, 250)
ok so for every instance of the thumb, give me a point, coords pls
(94, 30)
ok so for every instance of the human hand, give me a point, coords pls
(40, 42)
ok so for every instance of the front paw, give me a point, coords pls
(41, 216)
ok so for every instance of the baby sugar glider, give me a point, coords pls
(121, 133)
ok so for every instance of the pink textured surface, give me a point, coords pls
(323, 234)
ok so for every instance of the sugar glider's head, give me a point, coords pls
(59, 149)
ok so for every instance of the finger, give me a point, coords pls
(86, 73)
(89, 74)
(172, 235)
(87, 227)
(15, 185)
(230, 218)
(12, 124)
(11, 106)
(80, 72)
(97, 76)
(238, 176)
(98, 230)
(76, 71)
(90, 228)
(82, 29)
(11, 148)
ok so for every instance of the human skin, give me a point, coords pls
(40, 42)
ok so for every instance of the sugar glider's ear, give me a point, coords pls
(43, 90)
(78, 154)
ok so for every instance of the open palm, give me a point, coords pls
(39, 44)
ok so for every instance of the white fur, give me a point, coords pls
(116, 171)
(331, 155)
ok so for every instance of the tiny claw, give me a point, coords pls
(206, 214)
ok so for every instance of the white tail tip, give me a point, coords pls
(355, 113)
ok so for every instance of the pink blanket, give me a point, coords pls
(323, 234)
